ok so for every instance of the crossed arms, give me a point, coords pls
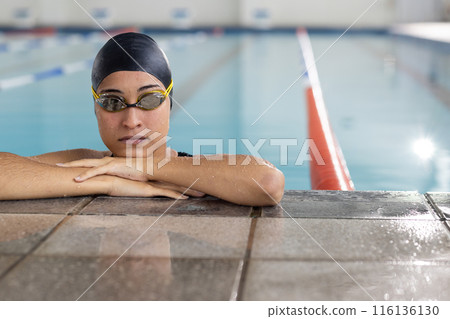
(249, 181)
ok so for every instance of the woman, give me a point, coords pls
(132, 90)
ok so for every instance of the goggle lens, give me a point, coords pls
(147, 102)
(111, 103)
(151, 101)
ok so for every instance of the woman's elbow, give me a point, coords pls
(272, 187)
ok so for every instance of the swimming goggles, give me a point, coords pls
(147, 101)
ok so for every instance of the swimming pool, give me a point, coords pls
(387, 99)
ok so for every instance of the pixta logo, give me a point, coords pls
(140, 149)
(307, 152)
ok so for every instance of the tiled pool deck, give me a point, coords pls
(321, 245)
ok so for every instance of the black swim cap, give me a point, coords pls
(131, 52)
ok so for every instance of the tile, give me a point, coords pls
(367, 196)
(158, 206)
(297, 280)
(40, 206)
(349, 239)
(19, 233)
(358, 204)
(66, 278)
(442, 201)
(7, 261)
(169, 236)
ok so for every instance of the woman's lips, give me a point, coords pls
(132, 140)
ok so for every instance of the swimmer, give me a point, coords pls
(132, 91)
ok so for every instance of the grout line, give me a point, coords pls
(238, 288)
(237, 281)
(256, 212)
(73, 211)
(82, 204)
(437, 211)
(135, 241)
(435, 207)
(446, 225)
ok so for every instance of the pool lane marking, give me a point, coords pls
(438, 90)
(318, 244)
(77, 66)
(65, 69)
(315, 62)
(191, 87)
(20, 45)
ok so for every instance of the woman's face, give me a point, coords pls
(118, 129)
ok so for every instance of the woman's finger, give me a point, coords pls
(156, 191)
(95, 171)
(194, 193)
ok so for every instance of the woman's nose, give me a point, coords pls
(131, 118)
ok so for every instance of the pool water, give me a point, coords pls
(387, 99)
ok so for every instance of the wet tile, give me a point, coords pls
(296, 280)
(19, 233)
(168, 236)
(40, 206)
(368, 196)
(349, 240)
(361, 205)
(7, 261)
(158, 206)
(67, 278)
(442, 201)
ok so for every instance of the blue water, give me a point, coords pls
(382, 94)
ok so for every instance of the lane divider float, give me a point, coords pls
(333, 174)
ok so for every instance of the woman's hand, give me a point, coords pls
(117, 166)
(181, 189)
(125, 187)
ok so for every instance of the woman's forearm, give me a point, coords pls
(23, 178)
(240, 179)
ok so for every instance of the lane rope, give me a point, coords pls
(333, 174)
